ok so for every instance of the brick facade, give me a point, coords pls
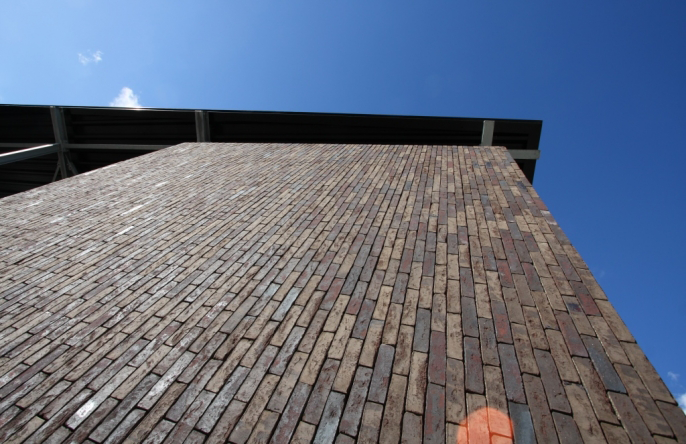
(256, 292)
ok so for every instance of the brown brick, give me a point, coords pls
(416, 383)
(314, 363)
(595, 389)
(393, 413)
(615, 434)
(557, 399)
(422, 331)
(540, 413)
(371, 423)
(410, 307)
(523, 290)
(675, 418)
(437, 357)
(289, 419)
(320, 392)
(363, 319)
(281, 360)
(535, 328)
(496, 399)
(371, 343)
(553, 293)
(382, 374)
(263, 428)
(303, 434)
(477, 420)
(222, 399)
(603, 365)
(514, 308)
(566, 428)
(587, 303)
(631, 420)
(228, 366)
(614, 321)
(341, 337)
(580, 319)
(470, 324)
(287, 382)
(403, 350)
(583, 413)
(642, 400)
(390, 331)
(313, 330)
(347, 367)
(571, 335)
(426, 290)
(256, 375)
(336, 313)
(455, 410)
(501, 322)
(466, 283)
(525, 355)
(474, 378)
(489, 350)
(563, 359)
(412, 429)
(434, 419)
(511, 374)
(650, 378)
(350, 421)
(453, 304)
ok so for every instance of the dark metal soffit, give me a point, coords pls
(98, 136)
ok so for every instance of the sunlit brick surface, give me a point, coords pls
(213, 292)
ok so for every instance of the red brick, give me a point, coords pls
(540, 413)
(434, 418)
(350, 421)
(569, 332)
(474, 377)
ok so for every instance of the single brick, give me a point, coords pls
(434, 418)
(350, 421)
(474, 378)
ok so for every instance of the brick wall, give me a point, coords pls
(248, 292)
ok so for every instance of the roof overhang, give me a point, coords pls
(99, 136)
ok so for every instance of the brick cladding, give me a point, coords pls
(275, 292)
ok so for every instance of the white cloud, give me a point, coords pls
(673, 376)
(682, 401)
(94, 57)
(126, 99)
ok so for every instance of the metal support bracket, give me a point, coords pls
(29, 153)
(525, 154)
(60, 131)
(487, 133)
(202, 126)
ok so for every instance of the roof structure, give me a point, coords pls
(276, 292)
(97, 137)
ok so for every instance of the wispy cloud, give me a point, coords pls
(673, 376)
(126, 99)
(90, 57)
(682, 401)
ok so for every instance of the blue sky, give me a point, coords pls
(606, 78)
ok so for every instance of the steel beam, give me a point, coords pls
(525, 154)
(29, 153)
(202, 126)
(487, 133)
(114, 146)
(60, 131)
(92, 146)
